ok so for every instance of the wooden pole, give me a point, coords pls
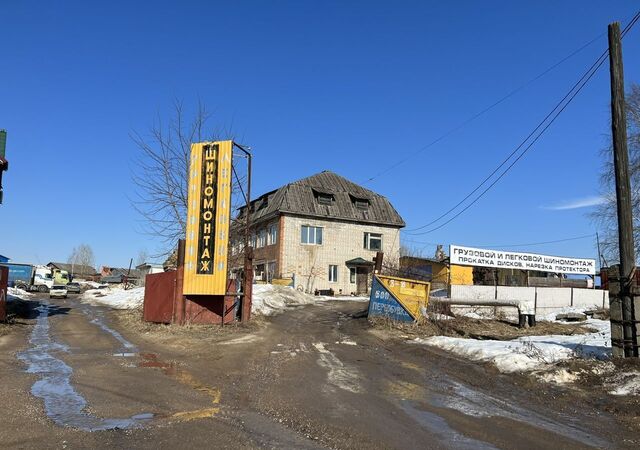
(378, 263)
(623, 192)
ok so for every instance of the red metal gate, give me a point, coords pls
(159, 295)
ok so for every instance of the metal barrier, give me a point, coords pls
(398, 298)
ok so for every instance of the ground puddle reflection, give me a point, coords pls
(63, 404)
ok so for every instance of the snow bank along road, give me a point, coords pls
(315, 377)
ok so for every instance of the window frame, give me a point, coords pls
(333, 273)
(352, 275)
(325, 199)
(367, 241)
(272, 234)
(307, 237)
(261, 240)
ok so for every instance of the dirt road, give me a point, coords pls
(313, 377)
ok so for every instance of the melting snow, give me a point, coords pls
(14, 293)
(116, 297)
(530, 352)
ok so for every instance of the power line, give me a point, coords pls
(524, 141)
(484, 111)
(555, 112)
(533, 244)
(530, 244)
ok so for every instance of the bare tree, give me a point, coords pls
(161, 171)
(81, 255)
(605, 215)
(143, 256)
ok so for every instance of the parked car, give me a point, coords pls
(73, 288)
(58, 290)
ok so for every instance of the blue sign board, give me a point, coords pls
(382, 303)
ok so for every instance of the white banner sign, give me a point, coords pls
(469, 256)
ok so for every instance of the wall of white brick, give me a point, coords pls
(342, 241)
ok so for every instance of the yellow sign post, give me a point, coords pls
(208, 215)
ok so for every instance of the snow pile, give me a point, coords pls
(629, 384)
(116, 297)
(14, 293)
(550, 317)
(349, 298)
(91, 284)
(269, 299)
(530, 352)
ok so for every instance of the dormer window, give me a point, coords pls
(361, 204)
(324, 197)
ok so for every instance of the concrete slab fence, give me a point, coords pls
(547, 300)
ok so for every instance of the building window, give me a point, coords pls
(253, 240)
(373, 241)
(272, 237)
(311, 235)
(333, 273)
(360, 203)
(324, 198)
(262, 238)
(352, 275)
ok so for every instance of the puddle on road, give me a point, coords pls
(63, 404)
(97, 318)
(150, 360)
(477, 404)
(439, 427)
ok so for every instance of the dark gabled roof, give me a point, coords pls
(299, 198)
(77, 269)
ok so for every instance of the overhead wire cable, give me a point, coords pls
(530, 244)
(485, 110)
(555, 112)
(524, 152)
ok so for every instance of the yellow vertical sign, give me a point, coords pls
(209, 209)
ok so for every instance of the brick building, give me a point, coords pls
(321, 233)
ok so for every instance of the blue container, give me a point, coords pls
(19, 272)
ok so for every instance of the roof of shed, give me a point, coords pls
(76, 269)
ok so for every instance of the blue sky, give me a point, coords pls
(351, 87)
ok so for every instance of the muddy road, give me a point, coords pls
(73, 376)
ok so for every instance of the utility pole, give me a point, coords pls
(623, 318)
(4, 164)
